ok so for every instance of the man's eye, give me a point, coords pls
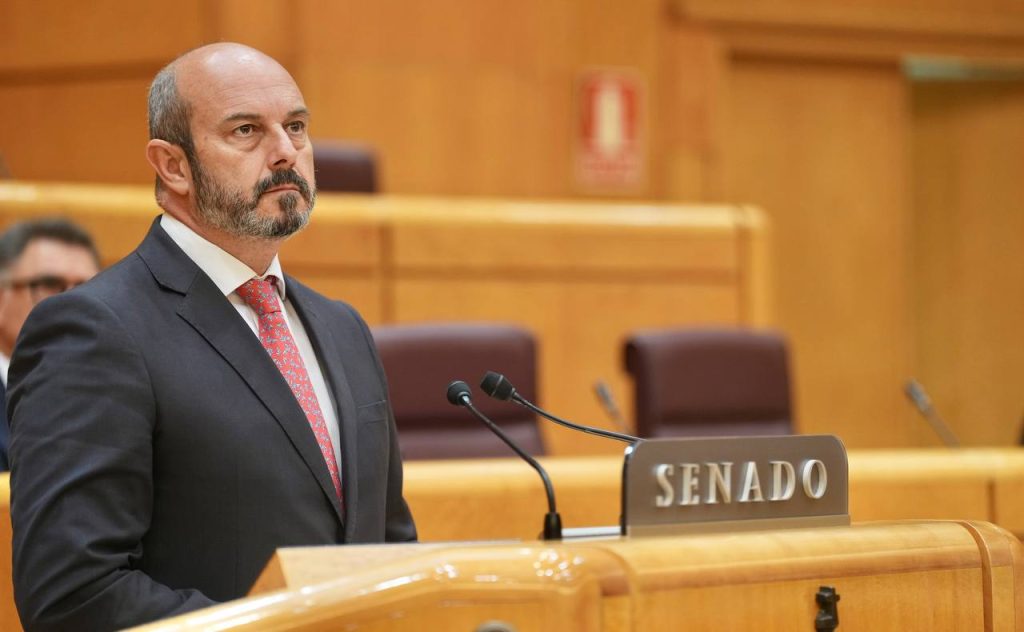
(297, 127)
(245, 130)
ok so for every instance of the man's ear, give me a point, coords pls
(170, 165)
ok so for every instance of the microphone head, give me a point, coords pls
(496, 386)
(917, 395)
(459, 393)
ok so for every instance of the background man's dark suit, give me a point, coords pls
(161, 455)
(4, 430)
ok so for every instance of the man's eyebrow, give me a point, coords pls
(241, 116)
(249, 116)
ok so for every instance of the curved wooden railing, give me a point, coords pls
(903, 576)
(580, 275)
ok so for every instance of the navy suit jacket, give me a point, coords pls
(4, 431)
(161, 456)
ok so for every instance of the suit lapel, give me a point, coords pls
(337, 383)
(209, 312)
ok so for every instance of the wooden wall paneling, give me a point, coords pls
(905, 484)
(342, 254)
(457, 98)
(581, 327)
(466, 98)
(53, 36)
(73, 83)
(581, 278)
(116, 216)
(821, 147)
(692, 68)
(959, 18)
(969, 299)
(272, 26)
(91, 130)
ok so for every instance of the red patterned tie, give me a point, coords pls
(261, 296)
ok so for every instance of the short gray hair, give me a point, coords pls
(169, 114)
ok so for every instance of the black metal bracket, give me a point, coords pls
(828, 609)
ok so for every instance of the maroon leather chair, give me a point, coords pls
(421, 360)
(344, 167)
(710, 382)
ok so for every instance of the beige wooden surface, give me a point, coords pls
(504, 498)
(580, 276)
(896, 576)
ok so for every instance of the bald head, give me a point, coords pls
(174, 87)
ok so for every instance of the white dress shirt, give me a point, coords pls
(228, 274)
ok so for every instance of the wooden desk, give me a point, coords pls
(967, 483)
(910, 576)
(503, 498)
(579, 275)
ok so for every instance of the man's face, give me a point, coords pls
(46, 267)
(252, 172)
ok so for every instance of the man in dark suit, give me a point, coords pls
(38, 258)
(192, 408)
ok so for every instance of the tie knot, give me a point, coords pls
(260, 295)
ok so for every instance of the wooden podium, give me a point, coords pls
(922, 575)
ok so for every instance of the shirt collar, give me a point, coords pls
(226, 272)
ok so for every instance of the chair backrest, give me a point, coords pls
(343, 167)
(710, 382)
(421, 360)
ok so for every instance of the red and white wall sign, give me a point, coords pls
(609, 144)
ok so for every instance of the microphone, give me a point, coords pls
(607, 401)
(923, 404)
(459, 395)
(497, 386)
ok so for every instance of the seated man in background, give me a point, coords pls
(193, 408)
(38, 258)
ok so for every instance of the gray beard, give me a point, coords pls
(235, 214)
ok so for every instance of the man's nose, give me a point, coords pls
(283, 151)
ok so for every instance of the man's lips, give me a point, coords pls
(285, 187)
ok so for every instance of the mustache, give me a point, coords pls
(285, 176)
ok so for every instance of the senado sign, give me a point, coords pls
(687, 485)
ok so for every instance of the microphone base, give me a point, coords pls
(552, 526)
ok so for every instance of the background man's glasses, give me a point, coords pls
(42, 286)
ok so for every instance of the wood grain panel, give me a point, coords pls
(995, 18)
(451, 500)
(466, 98)
(822, 148)
(969, 300)
(76, 131)
(581, 326)
(916, 575)
(580, 276)
(47, 34)
(545, 237)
